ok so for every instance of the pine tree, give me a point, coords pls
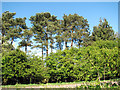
(11, 28)
(82, 32)
(58, 36)
(26, 36)
(44, 23)
(38, 29)
(40, 39)
(7, 21)
(66, 30)
(75, 29)
(52, 27)
(103, 31)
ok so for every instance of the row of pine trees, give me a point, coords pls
(49, 32)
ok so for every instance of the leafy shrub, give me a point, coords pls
(13, 67)
(17, 67)
(37, 73)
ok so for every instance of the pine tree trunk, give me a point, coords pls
(51, 42)
(26, 46)
(47, 45)
(51, 48)
(72, 39)
(2, 41)
(47, 50)
(2, 37)
(60, 45)
(79, 44)
(42, 51)
(65, 45)
(12, 41)
(25, 49)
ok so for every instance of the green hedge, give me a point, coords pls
(96, 62)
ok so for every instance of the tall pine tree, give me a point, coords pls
(103, 31)
(11, 27)
(44, 26)
(26, 36)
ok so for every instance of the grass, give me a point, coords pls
(19, 85)
(63, 83)
(25, 85)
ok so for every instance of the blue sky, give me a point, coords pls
(92, 11)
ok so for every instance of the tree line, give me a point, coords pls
(85, 57)
(49, 32)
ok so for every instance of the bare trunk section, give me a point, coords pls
(79, 46)
(47, 45)
(51, 47)
(26, 45)
(65, 44)
(42, 51)
(2, 41)
(47, 50)
(25, 49)
(51, 50)
(51, 44)
(60, 45)
(2, 38)
(79, 43)
(42, 45)
(12, 41)
(72, 39)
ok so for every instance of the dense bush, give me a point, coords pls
(17, 67)
(37, 73)
(99, 61)
(62, 66)
(14, 64)
(96, 62)
(109, 44)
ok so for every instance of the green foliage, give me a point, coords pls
(103, 31)
(11, 28)
(44, 26)
(37, 73)
(26, 36)
(89, 63)
(98, 87)
(18, 68)
(96, 59)
(61, 66)
(14, 64)
(75, 29)
(109, 44)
